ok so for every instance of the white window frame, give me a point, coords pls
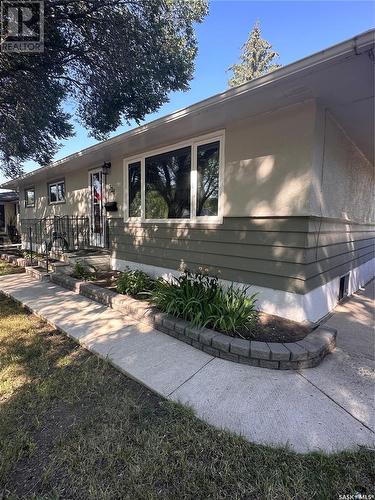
(218, 136)
(56, 183)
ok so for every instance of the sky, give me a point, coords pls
(295, 29)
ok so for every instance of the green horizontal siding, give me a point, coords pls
(294, 254)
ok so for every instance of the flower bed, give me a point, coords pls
(284, 355)
(200, 299)
(305, 353)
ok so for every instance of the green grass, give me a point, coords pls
(6, 268)
(73, 427)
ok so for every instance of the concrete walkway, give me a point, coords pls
(327, 408)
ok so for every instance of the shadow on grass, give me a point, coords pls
(71, 426)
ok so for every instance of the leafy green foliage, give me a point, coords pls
(257, 59)
(135, 283)
(84, 271)
(114, 60)
(200, 298)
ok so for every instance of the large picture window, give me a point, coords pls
(168, 185)
(56, 192)
(30, 197)
(179, 183)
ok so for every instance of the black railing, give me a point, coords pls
(58, 234)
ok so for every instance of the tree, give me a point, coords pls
(257, 59)
(116, 60)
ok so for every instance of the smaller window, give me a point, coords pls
(56, 192)
(208, 179)
(30, 197)
(134, 191)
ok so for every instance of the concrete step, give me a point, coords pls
(55, 266)
(99, 258)
(37, 273)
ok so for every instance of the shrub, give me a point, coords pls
(200, 298)
(84, 271)
(134, 283)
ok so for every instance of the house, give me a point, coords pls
(270, 184)
(8, 217)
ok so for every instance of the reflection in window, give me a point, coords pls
(30, 197)
(168, 185)
(53, 194)
(56, 192)
(60, 192)
(208, 179)
(134, 183)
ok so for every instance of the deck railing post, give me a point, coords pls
(31, 245)
(46, 243)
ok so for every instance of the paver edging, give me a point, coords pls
(306, 353)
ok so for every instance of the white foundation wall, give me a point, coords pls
(312, 306)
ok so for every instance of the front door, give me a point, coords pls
(97, 218)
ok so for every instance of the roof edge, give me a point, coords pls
(353, 44)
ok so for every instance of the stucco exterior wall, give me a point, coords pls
(76, 193)
(268, 164)
(267, 170)
(343, 179)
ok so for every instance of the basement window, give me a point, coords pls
(344, 285)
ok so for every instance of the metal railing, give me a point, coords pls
(59, 234)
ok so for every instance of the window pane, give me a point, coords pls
(53, 193)
(168, 185)
(30, 197)
(134, 190)
(208, 179)
(96, 180)
(61, 191)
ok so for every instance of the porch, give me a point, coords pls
(61, 241)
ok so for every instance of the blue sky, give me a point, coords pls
(295, 29)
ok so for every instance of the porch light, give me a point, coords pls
(106, 167)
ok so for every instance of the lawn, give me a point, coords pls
(71, 426)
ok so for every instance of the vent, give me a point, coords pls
(344, 286)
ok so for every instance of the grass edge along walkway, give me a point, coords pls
(71, 426)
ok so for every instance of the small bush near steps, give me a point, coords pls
(84, 271)
(134, 283)
(200, 299)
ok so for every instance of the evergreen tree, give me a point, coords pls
(257, 59)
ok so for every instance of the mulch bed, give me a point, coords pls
(272, 328)
(269, 328)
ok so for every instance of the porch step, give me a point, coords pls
(99, 258)
(37, 273)
(56, 267)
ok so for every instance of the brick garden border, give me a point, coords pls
(306, 353)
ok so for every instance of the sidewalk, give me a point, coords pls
(326, 408)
